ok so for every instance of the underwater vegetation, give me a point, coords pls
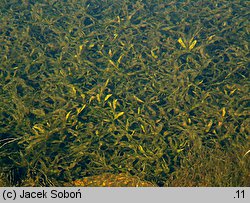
(124, 93)
(111, 180)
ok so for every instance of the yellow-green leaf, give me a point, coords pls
(67, 115)
(182, 43)
(98, 97)
(114, 104)
(79, 110)
(192, 45)
(137, 99)
(107, 97)
(118, 115)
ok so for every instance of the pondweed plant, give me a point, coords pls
(145, 92)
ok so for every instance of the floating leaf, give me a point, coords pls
(110, 53)
(182, 43)
(210, 37)
(79, 110)
(119, 59)
(80, 48)
(137, 99)
(143, 129)
(67, 115)
(98, 98)
(153, 54)
(91, 45)
(141, 149)
(39, 128)
(118, 115)
(107, 97)
(192, 45)
(112, 63)
(209, 125)
(223, 112)
(91, 98)
(114, 104)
